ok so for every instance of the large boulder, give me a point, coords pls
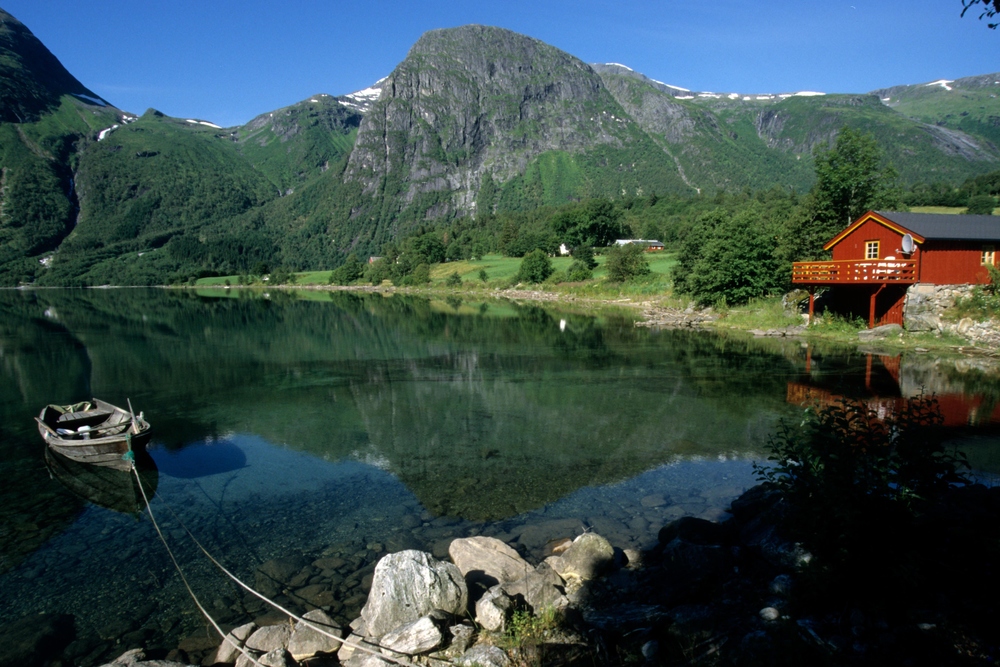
(270, 637)
(237, 637)
(421, 636)
(589, 556)
(493, 609)
(408, 585)
(487, 561)
(540, 589)
(306, 642)
(137, 658)
(483, 655)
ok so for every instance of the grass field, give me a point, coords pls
(949, 210)
(500, 272)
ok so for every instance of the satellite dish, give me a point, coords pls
(908, 245)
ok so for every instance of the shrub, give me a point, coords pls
(585, 254)
(578, 271)
(853, 475)
(454, 280)
(981, 205)
(483, 275)
(626, 262)
(351, 270)
(535, 268)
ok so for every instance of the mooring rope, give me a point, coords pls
(306, 622)
(181, 572)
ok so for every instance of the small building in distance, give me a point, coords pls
(650, 245)
(882, 255)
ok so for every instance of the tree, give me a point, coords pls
(981, 205)
(850, 179)
(595, 223)
(991, 8)
(535, 268)
(348, 272)
(585, 255)
(736, 260)
(626, 262)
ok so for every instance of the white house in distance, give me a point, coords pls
(651, 246)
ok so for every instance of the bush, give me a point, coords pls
(626, 262)
(535, 268)
(578, 271)
(851, 477)
(585, 254)
(981, 205)
(454, 280)
(351, 270)
(483, 275)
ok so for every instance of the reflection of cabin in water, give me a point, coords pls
(881, 390)
(881, 254)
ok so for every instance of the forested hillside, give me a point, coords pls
(480, 136)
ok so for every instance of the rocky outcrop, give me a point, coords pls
(475, 101)
(408, 585)
(926, 309)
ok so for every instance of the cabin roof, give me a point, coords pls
(928, 226)
(948, 227)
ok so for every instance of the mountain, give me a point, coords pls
(33, 81)
(474, 120)
(477, 104)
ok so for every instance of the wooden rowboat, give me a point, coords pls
(94, 432)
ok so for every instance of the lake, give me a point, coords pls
(314, 432)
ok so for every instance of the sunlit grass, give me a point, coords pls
(759, 314)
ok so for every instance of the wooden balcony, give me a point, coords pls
(855, 271)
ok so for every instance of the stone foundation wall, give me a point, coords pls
(926, 305)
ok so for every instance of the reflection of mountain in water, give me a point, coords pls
(482, 413)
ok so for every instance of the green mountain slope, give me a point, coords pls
(154, 194)
(970, 105)
(297, 143)
(475, 101)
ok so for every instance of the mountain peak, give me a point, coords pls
(32, 79)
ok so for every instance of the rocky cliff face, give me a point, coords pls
(472, 101)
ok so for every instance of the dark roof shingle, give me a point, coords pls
(948, 227)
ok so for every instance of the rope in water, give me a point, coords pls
(356, 646)
(190, 591)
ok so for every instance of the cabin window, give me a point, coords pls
(871, 249)
(989, 256)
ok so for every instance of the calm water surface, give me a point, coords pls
(328, 430)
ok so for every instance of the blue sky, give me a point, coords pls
(228, 60)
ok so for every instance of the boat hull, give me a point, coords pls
(94, 432)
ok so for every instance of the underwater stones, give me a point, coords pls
(487, 560)
(306, 642)
(34, 639)
(408, 585)
(273, 575)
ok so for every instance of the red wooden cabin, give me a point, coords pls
(882, 253)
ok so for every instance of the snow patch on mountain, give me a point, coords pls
(203, 122)
(106, 131)
(619, 65)
(942, 82)
(91, 99)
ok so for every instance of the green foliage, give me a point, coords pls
(453, 280)
(585, 255)
(535, 268)
(351, 270)
(626, 262)
(847, 473)
(282, 276)
(983, 303)
(483, 276)
(981, 205)
(732, 258)
(851, 179)
(525, 629)
(578, 271)
(595, 223)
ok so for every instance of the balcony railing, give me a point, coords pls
(855, 271)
